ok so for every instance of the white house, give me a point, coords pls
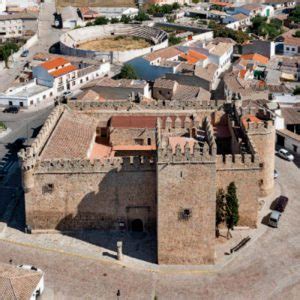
(62, 75)
(254, 9)
(237, 22)
(51, 79)
(26, 95)
(70, 18)
(291, 43)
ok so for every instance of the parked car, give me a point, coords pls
(274, 218)
(11, 109)
(276, 174)
(283, 153)
(25, 53)
(67, 94)
(281, 203)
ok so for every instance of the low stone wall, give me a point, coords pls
(155, 105)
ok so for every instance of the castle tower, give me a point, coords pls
(262, 134)
(27, 162)
(186, 192)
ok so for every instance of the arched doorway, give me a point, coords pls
(137, 225)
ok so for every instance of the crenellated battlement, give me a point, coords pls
(131, 163)
(129, 105)
(29, 157)
(187, 153)
(238, 161)
(207, 126)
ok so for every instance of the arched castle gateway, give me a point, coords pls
(150, 171)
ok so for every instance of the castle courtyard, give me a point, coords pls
(265, 268)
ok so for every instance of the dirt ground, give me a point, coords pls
(115, 44)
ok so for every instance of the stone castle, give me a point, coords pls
(150, 169)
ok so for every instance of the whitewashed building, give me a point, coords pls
(51, 79)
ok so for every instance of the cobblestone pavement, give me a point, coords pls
(267, 268)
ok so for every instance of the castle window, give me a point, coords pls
(149, 141)
(138, 141)
(185, 214)
(48, 188)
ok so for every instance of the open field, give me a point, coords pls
(120, 43)
(95, 3)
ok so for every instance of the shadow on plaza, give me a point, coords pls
(139, 243)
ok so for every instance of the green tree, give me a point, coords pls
(6, 50)
(114, 21)
(128, 72)
(125, 19)
(220, 209)
(101, 21)
(297, 34)
(142, 16)
(173, 40)
(232, 208)
(294, 15)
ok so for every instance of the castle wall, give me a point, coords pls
(80, 195)
(246, 176)
(186, 186)
(123, 136)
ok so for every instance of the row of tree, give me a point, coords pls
(140, 17)
(227, 208)
(270, 30)
(221, 31)
(155, 9)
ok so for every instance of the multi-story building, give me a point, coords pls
(14, 26)
(51, 79)
(204, 60)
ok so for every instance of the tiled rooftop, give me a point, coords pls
(63, 71)
(17, 283)
(54, 63)
(71, 138)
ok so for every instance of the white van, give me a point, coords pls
(274, 218)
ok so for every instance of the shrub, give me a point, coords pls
(173, 40)
(128, 72)
(101, 21)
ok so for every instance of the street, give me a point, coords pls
(267, 268)
(47, 37)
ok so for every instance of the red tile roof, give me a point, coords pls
(193, 56)
(249, 119)
(257, 57)
(133, 121)
(63, 71)
(54, 63)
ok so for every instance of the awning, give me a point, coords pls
(288, 76)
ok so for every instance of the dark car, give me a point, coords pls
(281, 203)
(25, 53)
(11, 109)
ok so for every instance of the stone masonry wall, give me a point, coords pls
(121, 136)
(180, 187)
(246, 175)
(96, 198)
